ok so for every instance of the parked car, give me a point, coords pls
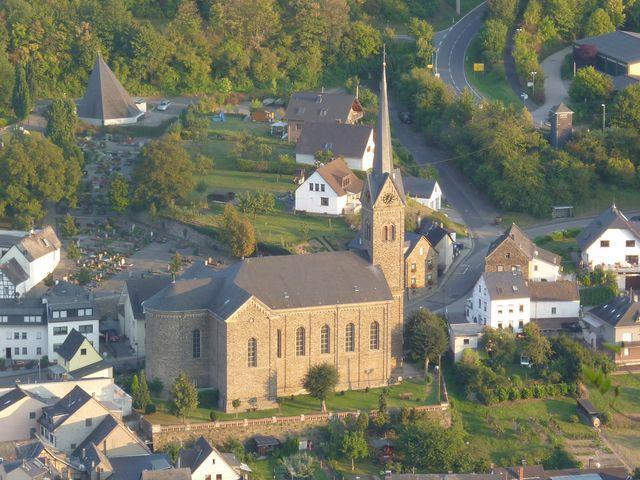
(164, 105)
(111, 335)
(405, 117)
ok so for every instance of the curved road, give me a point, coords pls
(451, 48)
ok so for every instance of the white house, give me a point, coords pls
(130, 311)
(353, 143)
(612, 241)
(506, 300)
(69, 307)
(26, 259)
(425, 191)
(500, 300)
(21, 407)
(333, 189)
(206, 463)
(19, 413)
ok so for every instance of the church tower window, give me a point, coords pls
(349, 341)
(196, 343)
(300, 342)
(374, 336)
(325, 339)
(252, 353)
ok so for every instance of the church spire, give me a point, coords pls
(384, 158)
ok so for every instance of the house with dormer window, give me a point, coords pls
(333, 189)
(612, 242)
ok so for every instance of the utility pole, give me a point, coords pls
(533, 84)
(604, 116)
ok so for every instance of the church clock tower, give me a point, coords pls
(382, 224)
(383, 203)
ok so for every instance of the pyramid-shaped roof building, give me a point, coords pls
(106, 102)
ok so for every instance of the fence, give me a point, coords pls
(155, 430)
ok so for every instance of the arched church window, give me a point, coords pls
(252, 353)
(325, 339)
(196, 343)
(349, 339)
(300, 342)
(374, 336)
(385, 231)
(393, 232)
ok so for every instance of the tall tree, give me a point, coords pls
(21, 100)
(320, 381)
(61, 122)
(535, 345)
(626, 108)
(185, 396)
(144, 397)
(165, 172)
(354, 446)
(426, 336)
(25, 185)
(119, 193)
(598, 23)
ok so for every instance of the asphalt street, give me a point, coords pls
(452, 45)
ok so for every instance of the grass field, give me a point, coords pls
(525, 429)
(234, 181)
(560, 246)
(407, 394)
(622, 432)
(491, 84)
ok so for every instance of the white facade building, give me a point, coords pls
(505, 300)
(500, 300)
(32, 327)
(332, 189)
(425, 191)
(207, 463)
(612, 241)
(26, 259)
(353, 143)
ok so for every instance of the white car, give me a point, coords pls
(164, 105)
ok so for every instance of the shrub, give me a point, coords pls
(539, 391)
(525, 392)
(213, 416)
(502, 393)
(155, 386)
(574, 418)
(151, 408)
(514, 393)
(516, 380)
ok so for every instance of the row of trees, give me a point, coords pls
(197, 47)
(499, 149)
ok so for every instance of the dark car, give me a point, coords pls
(405, 117)
(111, 335)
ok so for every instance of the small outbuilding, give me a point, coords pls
(265, 444)
(589, 412)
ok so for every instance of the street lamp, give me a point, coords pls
(604, 116)
(533, 84)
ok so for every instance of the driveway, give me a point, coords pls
(556, 90)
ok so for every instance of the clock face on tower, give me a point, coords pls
(388, 198)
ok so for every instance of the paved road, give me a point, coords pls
(555, 88)
(452, 45)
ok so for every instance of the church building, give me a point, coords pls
(253, 329)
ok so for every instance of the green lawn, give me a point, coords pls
(407, 394)
(491, 84)
(595, 295)
(563, 247)
(235, 181)
(629, 400)
(623, 431)
(512, 431)
(279, 228)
